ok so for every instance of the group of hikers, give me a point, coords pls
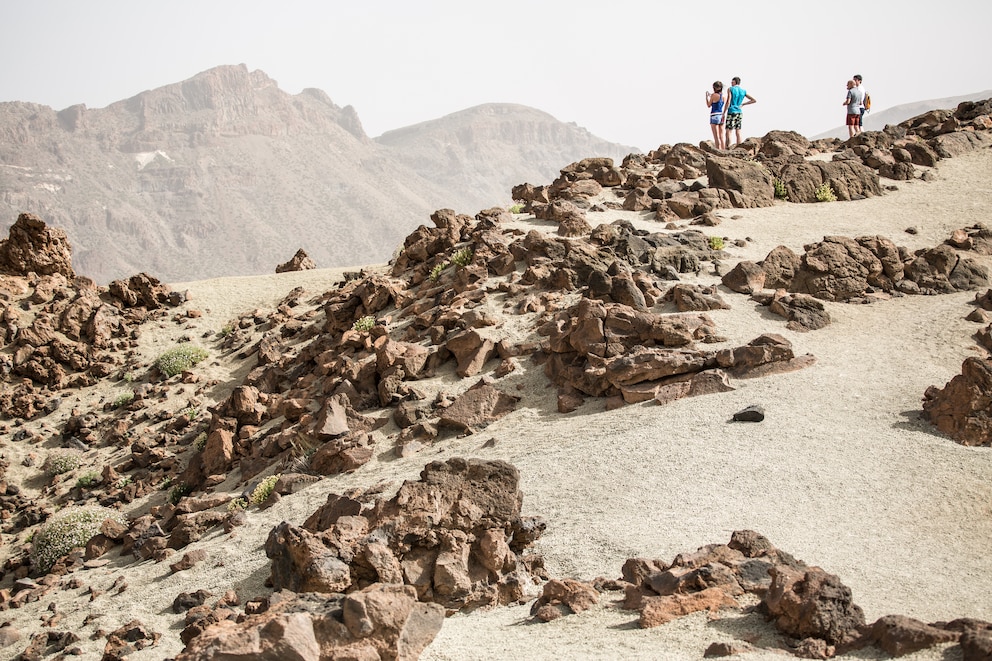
(726, 110)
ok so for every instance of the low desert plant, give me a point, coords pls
(123, 399)
(264, 489)
(516, 208)
(88, 479)
(68, 529)
(437, 270)
(716, 243)
(124, 481)
(364, 324)
(462, 257)
(780, 192)
(61, 461)
(238, 504)
(180, 359)
(178, 492)
(200, 441)
(190, 412)
(824, 193)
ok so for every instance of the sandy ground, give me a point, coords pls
(842, 473)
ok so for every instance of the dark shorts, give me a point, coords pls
(733, 120)
(853, 120)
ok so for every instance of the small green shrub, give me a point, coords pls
(123, 399)
(780, 192)
(824, 193)
(462, 257)
(68, 529)
(200, 441)
(178, 492)
(437, 270)
(88, 479)
(180, 359)
(365, 324)
(129, 377)
(190, 412)
(264, 489)
(716, 243)
(61, 461)
(124, 481)
(516, 208)
(239, 503)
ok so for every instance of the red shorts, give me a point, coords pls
(853, 120)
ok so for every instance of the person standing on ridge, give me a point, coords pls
(865, 104)
(737, 98)
(853, 102)
(715, 101)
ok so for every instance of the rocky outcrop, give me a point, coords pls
(33, 247)
(841, 269)
(961, 409)
(810, 606)
(604, 350)
(379, 622)
(455, 537)
(299, 262)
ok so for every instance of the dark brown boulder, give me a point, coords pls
(812, 603)
(748, 178)
(962, 409)
(745, 278)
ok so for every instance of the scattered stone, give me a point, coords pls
(753, 413)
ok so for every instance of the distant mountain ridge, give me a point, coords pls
(226, 174)
(877, 120)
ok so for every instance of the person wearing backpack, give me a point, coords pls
(865, 100)
(853, 101)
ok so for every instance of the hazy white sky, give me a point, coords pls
(631, 71)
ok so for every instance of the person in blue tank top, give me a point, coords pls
(715, 102)
(737, 98)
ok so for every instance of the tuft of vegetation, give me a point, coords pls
(437, 270)
(264, 489)
(64, 531)
(190, 412)
(238, 504)
(200, 441)
(364, 324)
(178, 492)
(780, 192)
(180, 359)
(824, 193)
(716, 243)
(88, 479)
(124, 481)
(61, 461)
(516, 208)
(462, 257)
(123, 399)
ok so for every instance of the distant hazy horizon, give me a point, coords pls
(634, 75)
